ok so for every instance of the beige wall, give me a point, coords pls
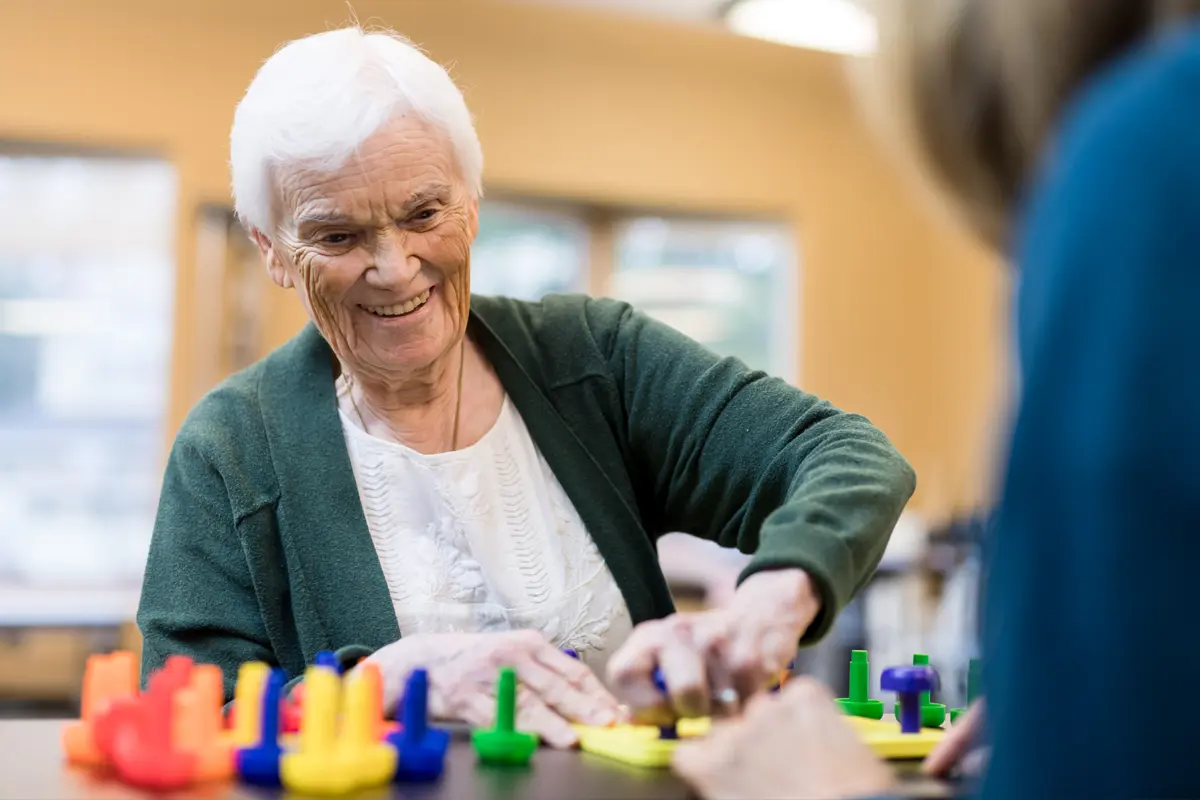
(899, 314)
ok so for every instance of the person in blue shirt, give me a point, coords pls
(1067, 132)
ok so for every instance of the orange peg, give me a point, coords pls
(107, 679)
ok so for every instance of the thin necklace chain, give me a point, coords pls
(462, 360)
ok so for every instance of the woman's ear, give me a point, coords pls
(270, 256)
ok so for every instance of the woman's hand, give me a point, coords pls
(729, 653)
(955, 747)
(554, 689)
(794, 744)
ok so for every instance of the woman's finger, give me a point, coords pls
(535, 716)
(683, 672)
(631, 668)
(744, 661)
(961, 737)
(478, 709)
(557, 692)
(577, 673)
(712, 636)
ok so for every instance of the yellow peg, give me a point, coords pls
(314, 766)
(368, 760)
(247, 704)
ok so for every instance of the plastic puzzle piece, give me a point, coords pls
(258, 765)
(176, 674)
(639, 745)
(293, 704)
(643, 745)
(293, 709)
(197, 724)
(504, 744)
(973, 687)
(314, 767)
(362, 754)
(933, 715)
(909, 683)
(422, 749)
(107, 678)
(859, 703)
(885, 738)
(247, 704)
(143, 750)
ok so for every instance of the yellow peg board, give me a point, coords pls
(641, 746)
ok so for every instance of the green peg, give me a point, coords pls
(973, 680)
(859, 703)
(504, 744)
(932, 714)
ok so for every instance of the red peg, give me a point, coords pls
(143, 749)
(293, 710)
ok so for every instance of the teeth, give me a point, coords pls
(400, 309)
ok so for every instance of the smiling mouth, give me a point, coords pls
(400, 309)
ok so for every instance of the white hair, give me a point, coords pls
(317, 99)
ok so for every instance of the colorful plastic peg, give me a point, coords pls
(909, 683)
(258, 764)
(859, 703)
(504, 744)
(973, 688)
(248, 703)
(369, 761)
(197, 726)
(932, 714)
(315, 767)
(107, 679)
(143, 751)
(327, 659)
(422, 749)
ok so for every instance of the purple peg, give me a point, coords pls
(908, 682)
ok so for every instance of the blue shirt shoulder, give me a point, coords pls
(1093, 580)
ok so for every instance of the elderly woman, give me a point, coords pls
(423, 478)
(1068, 128)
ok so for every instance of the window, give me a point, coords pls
(86, 320)
(527, 252)
(728, 284)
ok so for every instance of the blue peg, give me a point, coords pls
(327, 658)
(422, 749)
(259, 765)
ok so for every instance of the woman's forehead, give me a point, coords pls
(404, 165)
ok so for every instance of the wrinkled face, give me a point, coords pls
(379, 250)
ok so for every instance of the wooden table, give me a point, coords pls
(32, 768)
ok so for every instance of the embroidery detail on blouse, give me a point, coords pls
(485, 539)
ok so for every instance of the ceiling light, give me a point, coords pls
(837, 26)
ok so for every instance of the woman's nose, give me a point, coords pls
(395, 263)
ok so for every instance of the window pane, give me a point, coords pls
(86, 298)
(526, 252)
(728, 284)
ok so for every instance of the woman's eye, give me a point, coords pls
(425, 214)
(336, 238)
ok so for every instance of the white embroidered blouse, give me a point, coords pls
(484, 539)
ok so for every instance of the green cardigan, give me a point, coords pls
(261, 551)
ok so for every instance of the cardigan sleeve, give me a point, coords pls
(745, 460)
(198, 599)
